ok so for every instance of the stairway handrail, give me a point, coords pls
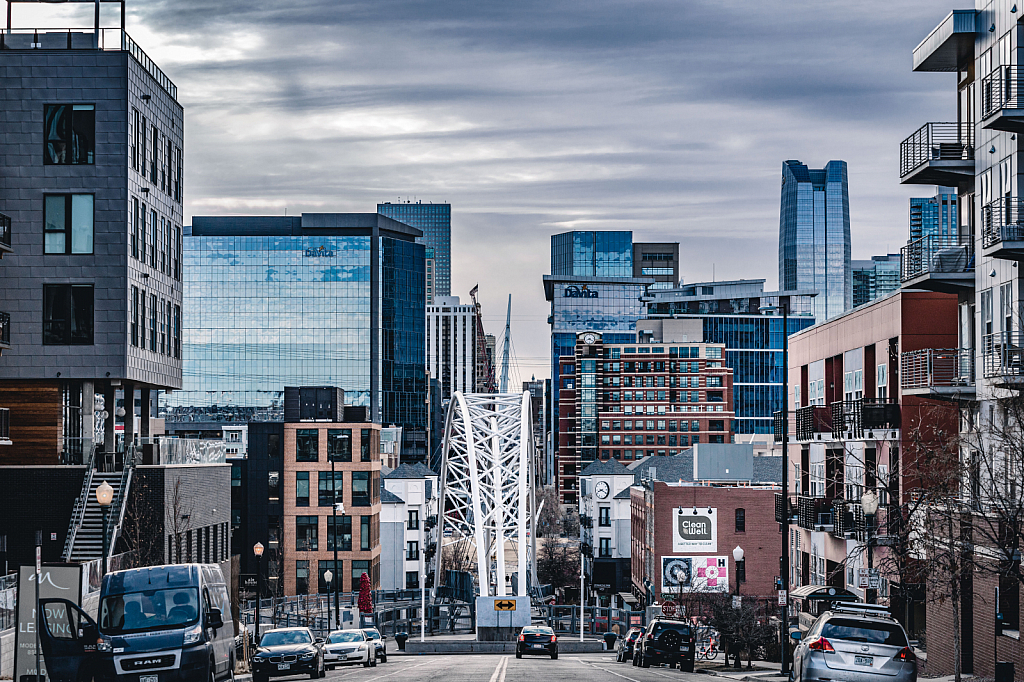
(122, 494)
(78, 513)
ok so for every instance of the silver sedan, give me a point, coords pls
(849, 647)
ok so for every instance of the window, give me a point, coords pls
(152, 322)
(716, 425)
(358, 568)
(305, 533)
(364, 445)
(412, 580)
(142, 232)
(360, 488)
(68, 223)
(330, 487)
(164, 238)
(135, 316)
(177, 252)
(274, 486)
(307, 445)
(68, 314)
(414, 520)
(135, 228)
(302, 489)
(136, 134)
(412, 550)
(273, 445)
(156, 155)
(605, 547)
(335, 569)
(165, 311)
(340, 534)
(741, 520)
(153, 238)
(604, 516)
(339, 445)
(177, 331)
(177, 175)
(365, 541)
(302, 577)
(69, 134)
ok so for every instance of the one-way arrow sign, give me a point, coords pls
(505, 605)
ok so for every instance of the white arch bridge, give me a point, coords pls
(486, 485)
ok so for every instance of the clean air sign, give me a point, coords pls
(695, 530)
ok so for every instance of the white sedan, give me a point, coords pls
(348, 646)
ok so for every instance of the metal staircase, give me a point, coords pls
(85, 534)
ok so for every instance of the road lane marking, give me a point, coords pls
(499, 672)
(400, 670)
(612, 672)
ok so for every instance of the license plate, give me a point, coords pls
(684, 648)
(284, 666)
(149, 678)
(537, 646)
(863, 660)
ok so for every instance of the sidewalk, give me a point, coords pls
(759, 670)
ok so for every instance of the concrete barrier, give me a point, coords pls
(413, 648)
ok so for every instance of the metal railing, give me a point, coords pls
(935, 254)
(107, 39)
(5, 328)
(120, 504)
(1001, 90)
(814, 513)
(777, 425)
(781, 508)
(812, 419)
(1003, 354)
(1002, 221)
(5, 230)
(850, 418)
(78, 512)
(936, 142)
(931, 367)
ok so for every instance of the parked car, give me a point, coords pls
(624, 651)
(158, 622)
(666, 641)
(537, 639)
(380, 643)
(855, 643)
(349, 646)
(288, 651)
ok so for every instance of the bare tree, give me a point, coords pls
(142, 535)
(558, 562)
(549, 520)
(179, 521)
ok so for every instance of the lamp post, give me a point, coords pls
(104, 496)
(257, 551)
(737, 556)
(337, 507)
(328, 576)
(869, 502)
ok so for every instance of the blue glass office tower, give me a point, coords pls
(875, 278)
(325, 299)
(592, 254)
(814, 235)
(934, 216)
(435, 221)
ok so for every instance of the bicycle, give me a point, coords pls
(708, 652)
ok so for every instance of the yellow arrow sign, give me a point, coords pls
(505, 605)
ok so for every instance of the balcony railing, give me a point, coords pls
(1002, 221)
(5, 232)
(811, 420)
(814, 513)
(1001, 90)
(1003, 354)
(938, 255)
(5, 329)
(851, 418)
(777, 425)
(936, 142)
(937, 368)
(781, 508)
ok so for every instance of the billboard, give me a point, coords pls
(694, 574)
(62, 582)
(695, 530)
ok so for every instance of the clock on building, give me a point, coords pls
(602, 489)
(589, 338)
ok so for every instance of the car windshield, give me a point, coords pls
(342, 637)
(864, 631)
(285, 637)
(149, 610)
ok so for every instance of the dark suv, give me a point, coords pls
(666, 641)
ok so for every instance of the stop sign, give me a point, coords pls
(668, 608)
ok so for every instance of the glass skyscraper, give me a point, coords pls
(321, 300)
(435, 221)
(934, 216)
(814, 235)
(875, 278)
(592, 254)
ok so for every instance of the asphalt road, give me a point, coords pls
(505, 668)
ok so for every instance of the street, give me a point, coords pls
(505, 668)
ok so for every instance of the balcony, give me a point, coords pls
(1002, 229)
(934, 263)
(814, 513)
(851, 419)
(1001, 106)
(812, 421)
(938, 373)
(5, 235)
(938, 154)
(849, 519)
(1003, 358)
(780, 509)
(949, 45)
(5, 426)
(5, 331)
(777, 426)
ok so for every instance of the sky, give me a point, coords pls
(668, 118)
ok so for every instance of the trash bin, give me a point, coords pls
(1004, 671)
(609, 641)
(401, 637)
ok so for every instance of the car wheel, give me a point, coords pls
(686, 666)
(519, 654)
(384, 656)
(645, 662)
(636, 659)
(554, 656)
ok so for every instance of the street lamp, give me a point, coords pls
(104, 496)
(337, 508)
(737, 555)
(869, 502)
(257, 550)
(328, 576)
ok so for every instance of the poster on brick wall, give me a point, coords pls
(695, 530)
(694, 574)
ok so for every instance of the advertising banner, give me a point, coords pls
(694, 574)
(695, 530)
(62, 582)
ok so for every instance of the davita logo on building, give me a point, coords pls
(319, 252)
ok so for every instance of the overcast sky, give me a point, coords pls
(669, 118)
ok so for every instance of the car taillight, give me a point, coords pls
(521, 638)
(905, 655)
(821, 644)
(553, 638)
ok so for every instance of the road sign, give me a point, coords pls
(737, 601)
(782, 598)
(247, 582)
(505, 605)
(668, 608)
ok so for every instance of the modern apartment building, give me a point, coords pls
(429, 268)
(814, 235)
(861, 391)
(435, 222)
(936, 215)
(875, 278)
(322, 298)
(452, 345)
(630, 401)
(91, 189)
